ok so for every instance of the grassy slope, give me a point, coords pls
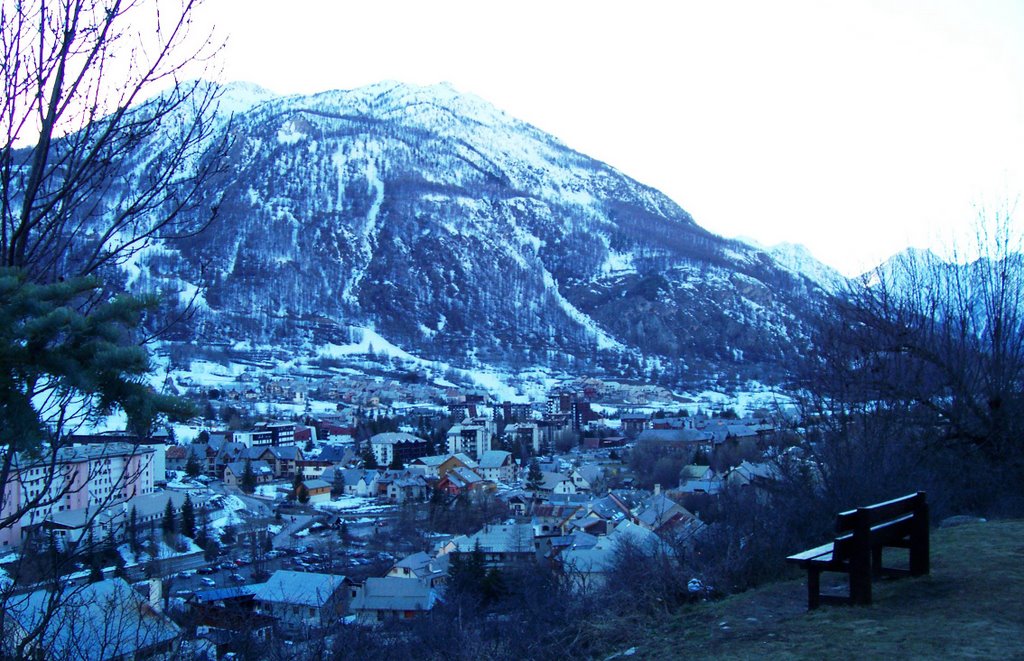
(971, 606)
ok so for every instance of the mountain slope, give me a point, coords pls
(459, 232)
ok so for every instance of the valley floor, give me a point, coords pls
(969, 607)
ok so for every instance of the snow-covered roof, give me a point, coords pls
(394, 594)
(495, 459)
(299, 588)
(102, 620)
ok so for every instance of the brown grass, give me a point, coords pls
(970, 606)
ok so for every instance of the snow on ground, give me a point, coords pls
(163, 550)
(372, 343)
(210, 375)
(267, 491)
(230, 515)
(354, 505)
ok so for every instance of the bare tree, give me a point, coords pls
(106, 149)
(920, 378)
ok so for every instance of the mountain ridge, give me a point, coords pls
(456, 230)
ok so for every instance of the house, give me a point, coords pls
(659, 513)
(760, 475)
(422, 566)
(556, 483)
(587, 562)
(230, 609)
(301, 601)
(407, 489)
(696, 478)
(391, 598)
(234, 471)
(319, 491)
(462, 480)
(283, 460)
(497, 466)
(501, 545)
(632, 425)
(102, 620)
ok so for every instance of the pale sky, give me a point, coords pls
(855, 128)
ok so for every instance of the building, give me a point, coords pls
(497, 466)
(389, 446)
(102, 620)
(392, 598)
(501, 545)
(73, 478)
(472, 437)
(524, 433)
(301, 601)
(234, 471)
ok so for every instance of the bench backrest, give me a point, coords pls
(880, 523)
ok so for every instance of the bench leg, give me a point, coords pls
(813, 588)
(876, 561)
(919, 543)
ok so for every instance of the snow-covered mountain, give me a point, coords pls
(796, 258)
(459, 232)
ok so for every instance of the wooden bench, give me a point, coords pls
(861, 535)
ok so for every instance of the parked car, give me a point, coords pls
(208, 582)
(238, 578)
(227, 565)
(208, 570)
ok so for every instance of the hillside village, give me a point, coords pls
(285, 528)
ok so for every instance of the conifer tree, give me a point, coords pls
(168, 525)
(192, 467)
(534, 478)
(188, 517)
(248, 481)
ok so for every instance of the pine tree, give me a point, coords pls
(188, 517)
(168, 525)
(534, 478)
(248, 482)
(303, 494)
(133, 531)
(192, 467)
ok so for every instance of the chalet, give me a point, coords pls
(438, 465)
(283, 460)
(556, 483)
(632, 425)
(230, 609)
